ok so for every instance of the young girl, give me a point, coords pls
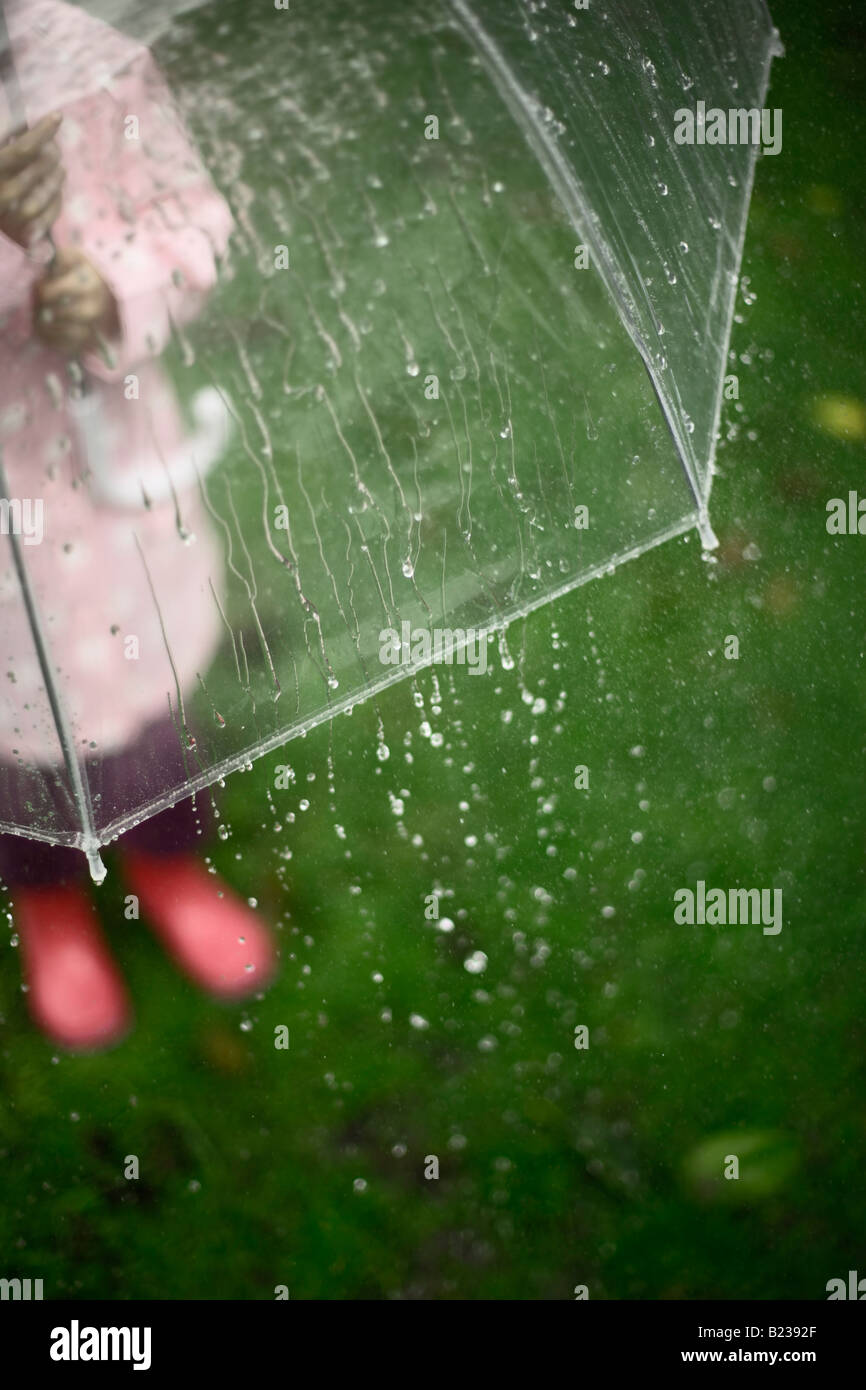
(136, 228)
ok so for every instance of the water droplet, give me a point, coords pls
(475, 964)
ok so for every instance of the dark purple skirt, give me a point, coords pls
(116, 782)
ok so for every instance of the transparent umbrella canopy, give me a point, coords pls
(424, 319)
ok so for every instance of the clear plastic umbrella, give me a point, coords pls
(424, 321)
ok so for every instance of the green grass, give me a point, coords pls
(557, 1167)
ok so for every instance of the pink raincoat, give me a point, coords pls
(140, 204)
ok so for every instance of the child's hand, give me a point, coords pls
(74, 310)
(31, 182)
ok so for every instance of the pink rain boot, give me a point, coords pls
(75, 993)
(213, 936)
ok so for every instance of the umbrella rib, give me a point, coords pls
(81, 798)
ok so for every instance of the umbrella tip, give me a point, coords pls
(98, 870)
(709, 539)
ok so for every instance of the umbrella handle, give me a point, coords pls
(15, 99)
(14, 95)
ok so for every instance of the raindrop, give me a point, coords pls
(475, 964)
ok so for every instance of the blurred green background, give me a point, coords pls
(557, 1167)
